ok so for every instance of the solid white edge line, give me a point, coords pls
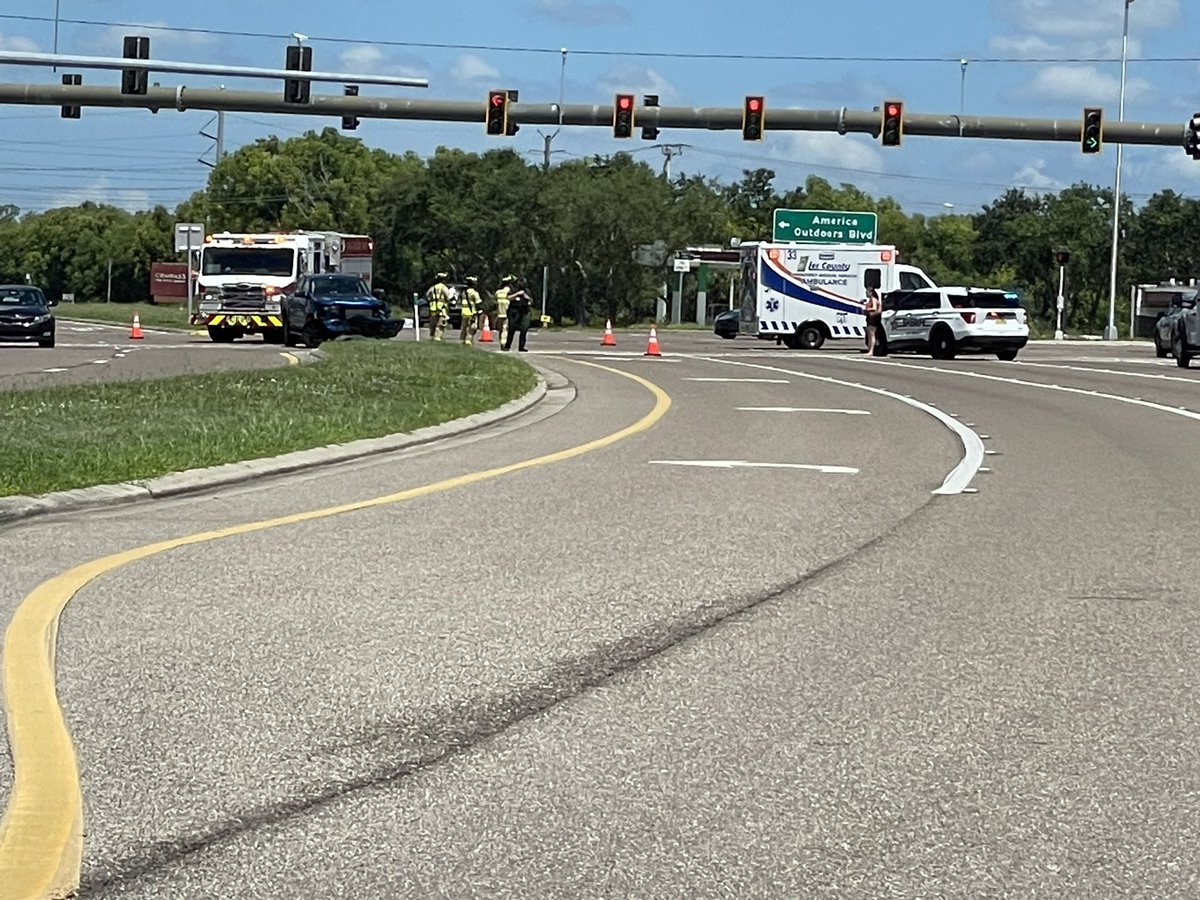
(803, 409)
(1177, 411)
(957, 479)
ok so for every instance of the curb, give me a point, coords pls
(194, 481)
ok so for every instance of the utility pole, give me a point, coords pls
(669, 151)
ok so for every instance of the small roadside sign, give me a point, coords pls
(825, 226)
(188, 236)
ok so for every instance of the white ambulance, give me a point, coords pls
(803, 294)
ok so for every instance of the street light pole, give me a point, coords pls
(1110, 330)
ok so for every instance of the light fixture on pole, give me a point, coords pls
(1110, 330)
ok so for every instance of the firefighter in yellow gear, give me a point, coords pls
(472, 306)
(438, 297)
(502, 294)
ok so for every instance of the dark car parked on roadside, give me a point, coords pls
(25, 315)
(330, 306)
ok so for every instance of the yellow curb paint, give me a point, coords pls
(41, 833)
(292, 358)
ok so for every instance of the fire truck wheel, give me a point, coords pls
(221, 335)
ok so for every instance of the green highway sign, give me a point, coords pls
(824, 226)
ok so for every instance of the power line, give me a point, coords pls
(650, 54)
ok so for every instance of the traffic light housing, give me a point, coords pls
(71, 112)
(299, 59)
(135, 81)
(649, 132)
(891, 132)
(623, 116)
(511, 127)
(1093, 129)
(753, 112)
(495, 117)
(1062, 257)
(350, 123)
(1191, 140)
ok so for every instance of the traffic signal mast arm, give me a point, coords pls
(712, 118)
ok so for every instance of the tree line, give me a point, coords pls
(494, 213)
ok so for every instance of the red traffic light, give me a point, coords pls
(624, 102)
(498, 98)
(753, 104)
(893, 109)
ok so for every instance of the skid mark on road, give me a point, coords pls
(41, 833)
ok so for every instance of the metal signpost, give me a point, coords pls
(825, 226)
(187, 236)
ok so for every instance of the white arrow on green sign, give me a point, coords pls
(825, 226)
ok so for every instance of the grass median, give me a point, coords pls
(150, 315)
(54, 439)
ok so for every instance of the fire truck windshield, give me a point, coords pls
(276, 261)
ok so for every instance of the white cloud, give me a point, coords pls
(1085, 84)
(1033, 175)
(637, 79)
(102, 191)
(362, 58)
(1076, 21)
(1178, 163)
(575, 12)
(823, 148)
(109, 41)
(16, 43)
(469, 69)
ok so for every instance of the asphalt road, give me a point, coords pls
(90, 352)
(624, 673)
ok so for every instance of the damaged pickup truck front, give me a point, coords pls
(329, 306)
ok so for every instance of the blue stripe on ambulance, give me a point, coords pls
(773, 279)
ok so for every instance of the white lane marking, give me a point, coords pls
(1105, 371)
(1178, 411)
(99, 362)
(53, 370)
(743, 380)
(802, 409)
(743, 464)
(958, 478)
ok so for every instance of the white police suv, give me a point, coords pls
(944, 322)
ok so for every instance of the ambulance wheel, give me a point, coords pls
(810, 337)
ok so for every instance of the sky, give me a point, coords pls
(1030, 58)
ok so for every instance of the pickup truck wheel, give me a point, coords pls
(289, 336)
(941, 343)
(1159, 350)
(312, 337)
(1183, 358)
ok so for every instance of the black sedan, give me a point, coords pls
(25, 315)
(726, 324)
(330, 306)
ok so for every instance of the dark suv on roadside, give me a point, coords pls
(25, 315)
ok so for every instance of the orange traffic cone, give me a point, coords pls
(485, 336)
(135, 333)
(608, 340)
(652, 347)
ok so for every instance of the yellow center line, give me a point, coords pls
(41, 833)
